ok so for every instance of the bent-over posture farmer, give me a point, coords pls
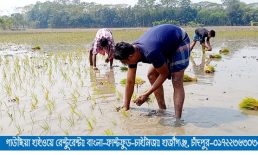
(167, 49)
(103, 44)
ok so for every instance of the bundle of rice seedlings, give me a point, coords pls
(123, 68)
(36, 48)
(138, 81)
(224, 51)
(108, 132)
(249, 103)
(209, 69)
(215, 56)
(123, 82)
(187, 78)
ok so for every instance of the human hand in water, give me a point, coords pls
(141, 99)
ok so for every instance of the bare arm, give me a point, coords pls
(163, 74)
(129, 87)
(208, 46)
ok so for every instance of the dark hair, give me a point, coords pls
(123, 50)
(212, 32)
(103, 42)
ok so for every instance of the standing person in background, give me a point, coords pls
(103, 44)
(200, 35)
(167, 49)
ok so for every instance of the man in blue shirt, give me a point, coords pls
(167, 48)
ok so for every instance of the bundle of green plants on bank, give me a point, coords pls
(209, 69)
(224, 51)
(249, 103)
(187, 78)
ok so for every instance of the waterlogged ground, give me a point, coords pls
(53, 91)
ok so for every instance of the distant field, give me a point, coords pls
(82, 37)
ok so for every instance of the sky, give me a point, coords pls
(7, 6)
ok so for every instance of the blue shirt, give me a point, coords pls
(158, 44)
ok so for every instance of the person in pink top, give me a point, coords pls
(103, 44)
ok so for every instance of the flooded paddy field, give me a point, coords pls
(53, 91)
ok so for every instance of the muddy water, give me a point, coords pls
(212, 103)
(87, 105)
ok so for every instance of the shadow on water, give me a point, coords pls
(207, 117)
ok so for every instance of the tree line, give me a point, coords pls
(77, 14)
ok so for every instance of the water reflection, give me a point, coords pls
(198, 69)
(102, 83)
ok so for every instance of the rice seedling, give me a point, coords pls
(75, 95)
(11, 118)
(89, 124)
(73, 111)
(17, 66)
(46, 94)
(187, 78)
(224, 51)
(50, 74)
(123, 68)
(33, 121)
(23, 112)
(249, 103)
(45, 126)
(50, 106)
(215, 56)
(114, 123)
(209, 69)
(8, 89)
(7, 61)
(71, 121)
(149, 99)
(123, 112)
(19, 130)
(70, 58)
(4, 74)
(108, 132)
(34, 102)
(66, 132)
(78, 73)
(36, 47)
(60, 120)
(138, 81)
(17, 99)
(119, 95)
